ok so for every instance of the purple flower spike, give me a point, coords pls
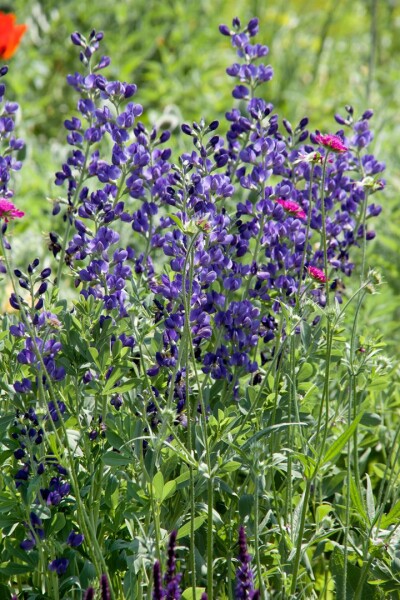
(105, 588)
(158, 592)
(171, 562)
(244, 575)
(89, 594)
(171, 578)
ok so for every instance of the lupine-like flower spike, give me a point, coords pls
(171, 589)
(244, 576)
(158, 592)
(171, 577)
(105, 588)
(89, 594)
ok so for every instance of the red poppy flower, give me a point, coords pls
(10, 35)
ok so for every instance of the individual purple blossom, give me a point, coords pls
(75, 539)
(59, 565)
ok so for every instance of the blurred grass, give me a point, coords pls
(325, 55)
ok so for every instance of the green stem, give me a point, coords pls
(188, 266)
(304, 255)
(323, 230)
(362, 578)
(298, 554)
(256, 538)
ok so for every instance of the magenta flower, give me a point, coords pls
(8, 211)
(333, 142)
(292, 207)
(317, 274)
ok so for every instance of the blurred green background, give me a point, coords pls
(325, 55)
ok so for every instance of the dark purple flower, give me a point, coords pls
(244, 576)
(158, 592)
(105, 588)
(75, 539)
(59, 565)
(89, 594)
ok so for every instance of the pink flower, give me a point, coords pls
(8, 211)
(317, 274)
(292, 207)
(333, 142)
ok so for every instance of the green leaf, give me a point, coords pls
(357, 500)
(115, 375)
(94, 353)
(5, 422)
(306, 372)
(341, 441)
(4, 591)
(353, 578)
(129, 385)
(230, 466)
(188, 593)
(8, 520)
(305, 334)
(185, 530)
(378, 384)
(169, 490)
(58, 522)
(158, 485)
(322, 511)
(15, 569)
(114, 439)
(246, 504)
(370, 420)
(370, 500)
(114, 459)
(392, 517)
(263, 432)
(178, 222)
(297, 519)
